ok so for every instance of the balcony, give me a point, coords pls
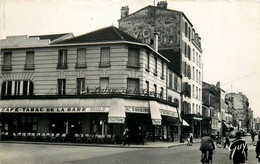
(6, 67)
(105, 64)
(81, 65)
(133, 64)
(62, 65)
(29, 67)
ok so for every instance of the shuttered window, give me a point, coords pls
(105, 57)
(81, 58)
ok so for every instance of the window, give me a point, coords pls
(197, 109)
(104, 57)
(81, 58)
(189, 52)
(199, 78)
(192, 107)
(161, 93)
(189, 32)
(80, 86)
(197, 58)
(17, 88)
(199, 61)
(185, 50)
(162, 77)
(189, 74)
(147, 87)
(155, 66)
(29, 63)
(133, 57)
(193, 55)
(132, 85)
(197, 93)
(155, 90)
(147, 61)
(185, 69)
(62, 59)
(193, 91)
(7, 63)
(186, 29)
(175, 83)
(196, 75)
(193, 73)
(103, 82)
(170, 81)
(61, 86)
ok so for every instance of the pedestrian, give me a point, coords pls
(126, 137)
(227, 142)
(140, 136)
(253, 135)
(257, 149)
(207, 145)
(238, 150)
(191, 137)
(172, 136)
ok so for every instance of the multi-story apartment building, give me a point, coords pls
(241, 105)
(96, 83)
(180, 43)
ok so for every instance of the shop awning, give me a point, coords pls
(184, 123)
(117, 112)
(155, 113)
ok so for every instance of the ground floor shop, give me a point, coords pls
(195, 125)
(82, 118)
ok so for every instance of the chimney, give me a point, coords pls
(155, 41)
(124, 11)
(218, 84)
(162, 4)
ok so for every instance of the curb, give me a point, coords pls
(96, 145)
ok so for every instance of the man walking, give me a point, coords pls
(238, 149)
(227, 143)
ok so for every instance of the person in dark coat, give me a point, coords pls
(126, 137)
(253, 135)
(227, 142)
(140, 136)
(257, 149)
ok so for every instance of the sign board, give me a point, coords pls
(157, 122)
(133, 109)
(116, 120)
(55, 110)
(169, 113)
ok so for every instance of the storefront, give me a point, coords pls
(106, 116)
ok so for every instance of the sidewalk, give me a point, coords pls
(159, 144)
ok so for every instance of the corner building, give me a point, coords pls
(179, 43)
(96, 83)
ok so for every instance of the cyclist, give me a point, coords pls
(207, 144)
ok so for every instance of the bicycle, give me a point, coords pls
(206, 158)
(220, 142)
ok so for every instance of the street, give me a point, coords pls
(42, 154)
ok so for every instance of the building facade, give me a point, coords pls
(98, 83)
(180, 43)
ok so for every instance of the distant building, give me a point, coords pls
(180, 44)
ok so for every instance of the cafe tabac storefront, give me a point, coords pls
(90, 116)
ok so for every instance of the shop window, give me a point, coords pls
(81, 58)
(7, 62)
(29, 62)
(132, 85)
(62, 59)
(103, 82)
(61, 86)
(105, 57)
(133, 57)
(80, 86)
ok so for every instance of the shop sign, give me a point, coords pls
(116, 120)
(55, 110)
(157, 122)
(133, 109)
(168, 113)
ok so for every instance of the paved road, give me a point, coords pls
(52, 154)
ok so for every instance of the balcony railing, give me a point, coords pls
(62, 65)
(105, 64)
(6, 67)
(29, 66)
(81, 65)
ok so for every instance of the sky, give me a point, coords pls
(229, 31)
